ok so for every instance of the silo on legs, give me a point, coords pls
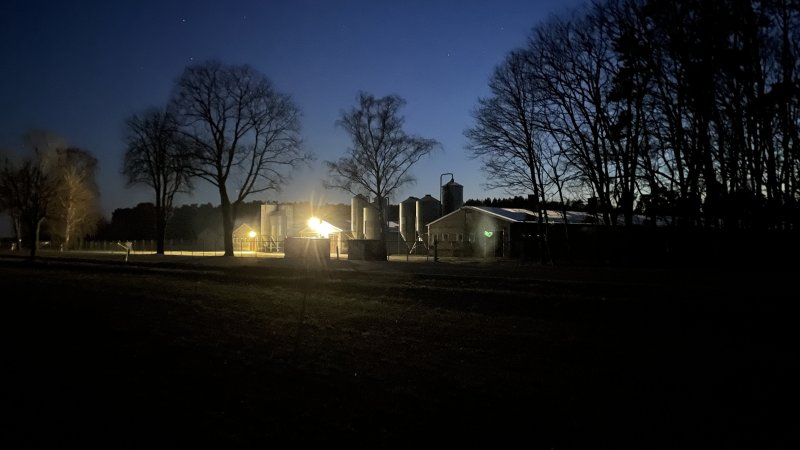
(452, 197)
(266, 211)
(408, 219)
(427, 212)
(277, 233)
(357, 216)
(372, 222)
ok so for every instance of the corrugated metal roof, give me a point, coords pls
(520, 215)
(508, 214)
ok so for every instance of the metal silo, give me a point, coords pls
(452, 197)
(357, 216)
(266, 211)
(277, 229)
(427, 212)
(408, 219)
(372, 222)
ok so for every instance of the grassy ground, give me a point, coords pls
(174, 352)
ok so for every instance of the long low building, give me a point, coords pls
(489, 231)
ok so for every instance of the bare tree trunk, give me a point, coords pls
(68, 226)
(18, 231)
(227, 220)
(161, 223)
(567, 247)
(161, 229)
(383, 217)
(35, 230)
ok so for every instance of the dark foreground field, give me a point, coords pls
(395, 355)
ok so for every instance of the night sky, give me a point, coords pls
(80, 68)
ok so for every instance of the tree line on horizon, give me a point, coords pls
(686, 110)
(190, 221)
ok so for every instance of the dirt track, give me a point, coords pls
(168, 352)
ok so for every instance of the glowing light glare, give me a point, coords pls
(320, 226)
(252, 234)
(488, 233)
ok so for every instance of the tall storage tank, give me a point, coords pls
(357, 205)
(266, 212)
(290, 227)
(277, 228)
(452, 197)
(408, 219)
(372, 222)
(427, 212)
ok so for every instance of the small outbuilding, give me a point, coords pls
(245, 238)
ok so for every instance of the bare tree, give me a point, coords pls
(691, 106)
(570, 59)
(28, 189)
(8, 204)
(244, 135)
(75, 209)
(504, 136)
(54, 183)
(382, 153)
(157, 156)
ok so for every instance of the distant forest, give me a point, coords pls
(527, 203)
(188, 222)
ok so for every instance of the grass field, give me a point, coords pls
(180, 352)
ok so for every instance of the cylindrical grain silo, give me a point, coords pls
(277, 230)
(408, 219)
(266, 212)
(289, 225)
(452, 197)
(277, 222)
(372, 222)
(427, 212)
(357, 205)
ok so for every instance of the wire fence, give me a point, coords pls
(241, 247)
(250, 247)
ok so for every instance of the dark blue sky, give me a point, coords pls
(80, 68)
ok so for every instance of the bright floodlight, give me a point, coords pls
(320, 227)
(252, 234)
(314, 223)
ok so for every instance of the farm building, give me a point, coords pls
(244, 238)
(489, 231)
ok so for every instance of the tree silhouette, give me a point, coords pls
(75, 209)
(158, 156)
(688, 108)
(504, 134)
(244, 135)
(28, 189)
(382, 153)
